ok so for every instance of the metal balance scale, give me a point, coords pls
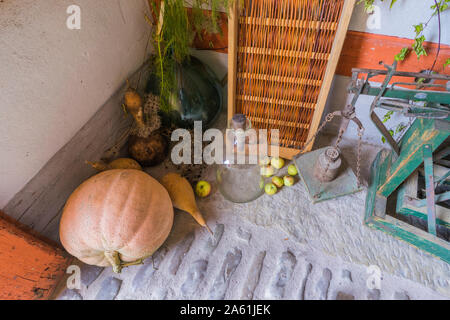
(324, 172)
(422, 191)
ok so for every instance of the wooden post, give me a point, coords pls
(335, 54)
(30, 266)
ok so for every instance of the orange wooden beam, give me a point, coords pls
(366, 50)
(30, 266)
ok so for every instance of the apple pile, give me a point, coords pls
(268, 167)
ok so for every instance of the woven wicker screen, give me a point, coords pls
(282, 57)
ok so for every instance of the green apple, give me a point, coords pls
(292, 170)
(288, 181)
(270, 189)
(261, 183)
(203, 189)
(278, 182)
(264, 161)
(277, 163)
(267, 171)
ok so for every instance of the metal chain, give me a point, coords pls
(328, 119)
(336, 145)
(338, 140)
(358, 160)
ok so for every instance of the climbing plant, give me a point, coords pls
(437, 7)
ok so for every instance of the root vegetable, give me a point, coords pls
(149, 151)
(133, 103)
(182, 195)
(121, 163)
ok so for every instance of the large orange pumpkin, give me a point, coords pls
(116, 218)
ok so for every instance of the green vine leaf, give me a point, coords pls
(368, 5)
(419, 29)
(387, 116)
(421, 80)
(443, 5)
(447, 63)
(400, 128)
(402, 54)
(391, 132)
(418, 46)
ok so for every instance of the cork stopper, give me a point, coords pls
(238, 121)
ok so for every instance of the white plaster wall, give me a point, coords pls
(399, 20)
(53, 80)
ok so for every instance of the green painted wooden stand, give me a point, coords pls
(397, 169)
(389, 171)
(409, 204)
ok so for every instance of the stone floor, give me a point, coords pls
(279, 247)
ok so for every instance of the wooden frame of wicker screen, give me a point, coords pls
(282, 58)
